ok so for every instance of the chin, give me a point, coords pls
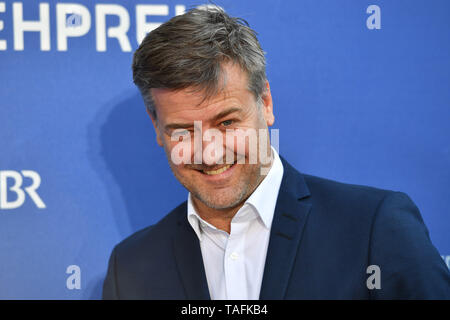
(220, 201)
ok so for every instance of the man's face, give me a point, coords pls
(217, 185)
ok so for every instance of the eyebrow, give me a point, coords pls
(178, 126)
(225, 113)
(172, 126)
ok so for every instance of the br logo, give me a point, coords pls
(12, 182)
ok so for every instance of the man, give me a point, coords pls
(255, 229)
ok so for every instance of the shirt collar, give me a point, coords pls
(263, 199)
(193, 217)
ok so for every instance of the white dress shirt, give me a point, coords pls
(234, 263)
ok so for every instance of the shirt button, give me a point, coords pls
(234, 256)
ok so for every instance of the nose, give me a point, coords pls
(212, 147)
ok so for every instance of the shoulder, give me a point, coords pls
(337, 203)
(141, 265)
(350, 206)
(154, 237)
(389, 218)
(387, 230)
(341, 193)
(356, 198)
(327, 193)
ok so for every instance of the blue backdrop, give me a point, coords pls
(361, 87)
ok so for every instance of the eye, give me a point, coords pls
(227, 123)
(177, 134)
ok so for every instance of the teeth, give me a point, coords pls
(218, 171)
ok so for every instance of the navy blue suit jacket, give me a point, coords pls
(324, 236)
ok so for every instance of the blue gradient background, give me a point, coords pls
(356, 105)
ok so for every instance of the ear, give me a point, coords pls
(268, 106)
(155, 125)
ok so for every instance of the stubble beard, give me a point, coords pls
(220, 201)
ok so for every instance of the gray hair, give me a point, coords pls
(188, 50)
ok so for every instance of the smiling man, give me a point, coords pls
(218, 187)
(253, 227)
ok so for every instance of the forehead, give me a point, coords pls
(190, 104)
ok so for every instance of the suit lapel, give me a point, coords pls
(189, 259)
(289, 220)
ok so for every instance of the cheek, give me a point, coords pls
(179, 151)
(243, 143)
(235, 144)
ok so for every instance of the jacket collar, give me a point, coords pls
(189, 259)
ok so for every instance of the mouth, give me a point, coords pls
(218, 174)
(218, 171)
